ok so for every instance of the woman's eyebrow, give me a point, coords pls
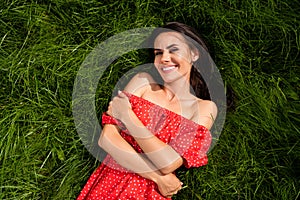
(168, 47)
(172, 45)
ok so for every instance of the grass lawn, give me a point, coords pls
(255, 44)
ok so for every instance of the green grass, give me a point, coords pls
(254, 43)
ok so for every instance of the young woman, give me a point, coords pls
(151, 129)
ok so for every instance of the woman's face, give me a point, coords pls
(173, 56)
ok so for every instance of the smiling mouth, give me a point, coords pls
(166, 69)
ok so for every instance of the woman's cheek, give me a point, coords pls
(156, 64)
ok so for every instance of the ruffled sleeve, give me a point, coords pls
(106, 119)
(193, 146)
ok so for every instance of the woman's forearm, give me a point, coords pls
(111, 141)
(162, 155)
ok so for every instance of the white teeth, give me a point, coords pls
(168, 68)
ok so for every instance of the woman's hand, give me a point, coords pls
(168, 185)
(119, 106)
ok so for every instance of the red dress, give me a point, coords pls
(188, 138)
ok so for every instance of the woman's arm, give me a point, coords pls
(162, 155)
(112, 142)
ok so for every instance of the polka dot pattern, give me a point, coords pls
(188, 138)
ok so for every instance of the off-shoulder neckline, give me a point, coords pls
(170, 111)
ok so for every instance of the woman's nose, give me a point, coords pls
(165, 56)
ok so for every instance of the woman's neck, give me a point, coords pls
(179, 89)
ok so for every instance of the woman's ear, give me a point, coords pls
(195, 55)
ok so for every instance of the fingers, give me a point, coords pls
(178, 188)
(118, 105)
(109, 108)
(117, 98)
(108, 111)
(170, 194)
(121, 94)
(110, 104)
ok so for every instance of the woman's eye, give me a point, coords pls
(157, 53)
(173, 50)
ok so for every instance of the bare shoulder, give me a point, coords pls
(207, 112)
(140, 83)
(207, 107)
